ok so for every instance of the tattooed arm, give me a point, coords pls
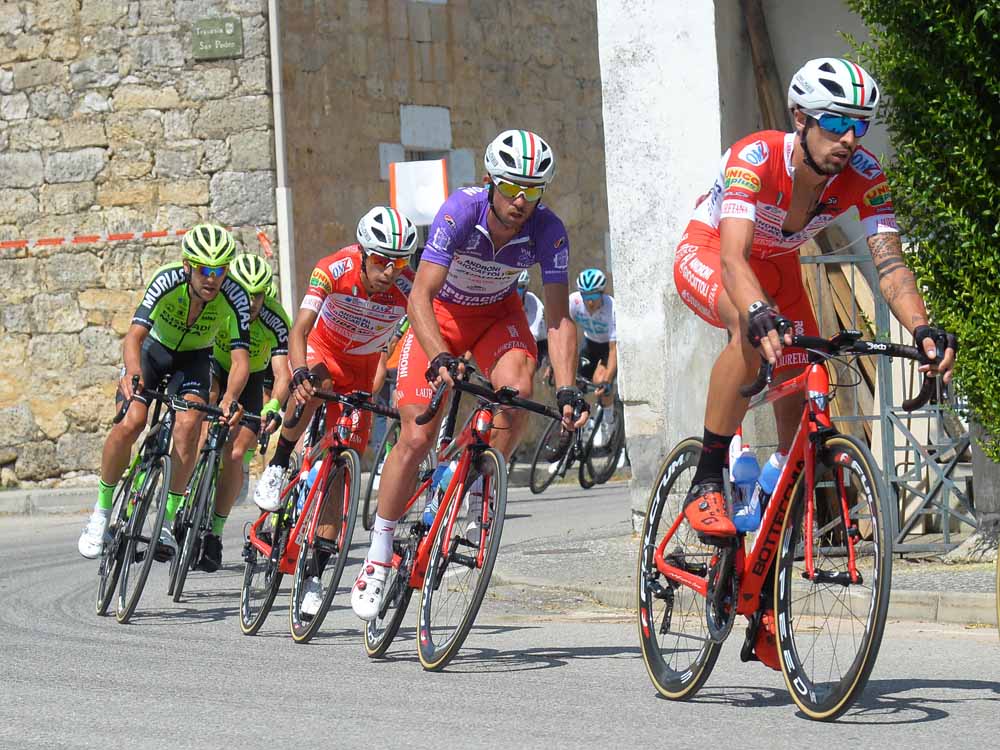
(896, 281)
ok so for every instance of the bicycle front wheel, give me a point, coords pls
(676, 647)
(191, 522)
(142, 533)
(602, 460)
(369, 505)
(323, 560)
(829, 627)
(461, 562)
(261, 573)
(110, 566)
(548, 461)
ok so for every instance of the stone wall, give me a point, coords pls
(348, 67)
(108, 124)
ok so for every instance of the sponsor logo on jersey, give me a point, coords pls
(737, 177)
(440, 240)
(240, 301)
(161, 284)
(273, 321)
(755, 153)
(526, 258)
(450, 221)
(736, 209)
(878, 195)
(341, 267)
(865, 164)
(404, 285)
(321, 280)
(560, 242)
(561, 259)
(512, 330)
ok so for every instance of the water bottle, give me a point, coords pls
(439, 483)
(766, 483)
(310, 479)
(744, 472)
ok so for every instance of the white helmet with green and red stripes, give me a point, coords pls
(520, 156)
(832, 84)
(386, 231)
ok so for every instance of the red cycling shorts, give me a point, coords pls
(698, 278)
(348, 374)
(488, 331)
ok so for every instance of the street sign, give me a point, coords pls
(216, 38)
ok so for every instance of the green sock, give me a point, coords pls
(174, 501)
(218, 522)
(248, 456)
(105, 495)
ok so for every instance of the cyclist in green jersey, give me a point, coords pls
(269, 327)
(182, 309)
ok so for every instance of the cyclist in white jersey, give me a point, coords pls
(594, 312)
(534, 310)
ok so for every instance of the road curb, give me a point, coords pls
(42, 501)
(955, 608)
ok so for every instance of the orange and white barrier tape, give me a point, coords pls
(91, 239)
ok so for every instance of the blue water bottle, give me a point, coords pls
(439, 483)
(766, 483)
(744, 472)
(310, 479)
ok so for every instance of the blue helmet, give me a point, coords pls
(591, 280)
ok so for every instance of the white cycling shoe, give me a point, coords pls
(312, 597)
(366, 596)
(267, 494)
(94, 535)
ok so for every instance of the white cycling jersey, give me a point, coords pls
(600, 326)
(535, 311)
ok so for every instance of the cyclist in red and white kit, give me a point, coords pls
(356, 297)
(737, 264)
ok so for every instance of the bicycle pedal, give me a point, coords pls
(716, 541)
(746, 651)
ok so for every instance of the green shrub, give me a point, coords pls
(938, 64)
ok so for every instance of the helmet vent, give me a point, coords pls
(508, 160)
(379, 234)
(828, 68)
(544, 164)
(833, 87)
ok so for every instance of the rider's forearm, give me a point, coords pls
(562, 351)
(738, 278)
(282, 379)
(612, 360)
(379, 374)
(239, 371)
(896, 281)
(132, 347)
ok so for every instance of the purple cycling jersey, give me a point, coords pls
(477, 273)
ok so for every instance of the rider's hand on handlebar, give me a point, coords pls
(940, 348)
(763, 326)
(233, 410)
(270, 416)
(439, 370)
(302, 385)
(125, 384)
(572, 404)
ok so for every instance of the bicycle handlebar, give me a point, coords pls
(849, 342)
(177, 403)
(357, 400)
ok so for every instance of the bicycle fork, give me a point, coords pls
(851, 533)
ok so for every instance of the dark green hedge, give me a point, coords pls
(938, 64)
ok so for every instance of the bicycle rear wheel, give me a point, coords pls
(380, 632)
(110, 566)
(829, 629)
(458, 573)
(143, 533)
(549, 459)
(191, 522)
(602, 460)
(328, 555)
(676, 648)
(261, 574)
(371, 487)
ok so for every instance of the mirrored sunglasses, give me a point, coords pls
(210, 272)
(513, 191)
(840, 124)
(381, 261)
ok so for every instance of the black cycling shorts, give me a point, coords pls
(252, 398)
(157, 362)
(591, 353)
(543, 352)
(269, 376)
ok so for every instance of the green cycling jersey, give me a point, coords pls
(166, 303)
(268, 337)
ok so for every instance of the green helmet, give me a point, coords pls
(209, 245)
(272, 290)
(252, 272)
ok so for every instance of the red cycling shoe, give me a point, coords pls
(705, 510)
(765, 646)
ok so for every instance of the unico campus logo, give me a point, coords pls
(742, 178)
(878, 195)
(755, 153)
(321, 280)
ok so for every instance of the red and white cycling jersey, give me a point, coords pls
(755, 183)
(350, 322)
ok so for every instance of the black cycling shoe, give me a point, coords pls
(211, 554)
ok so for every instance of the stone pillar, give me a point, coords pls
(662, 133)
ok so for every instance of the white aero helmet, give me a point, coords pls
(520, 156)
(385, 230)
(832, 84)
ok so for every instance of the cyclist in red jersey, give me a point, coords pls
(737, 264)
(356, 297)
(465, 299)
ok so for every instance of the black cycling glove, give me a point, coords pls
(762, 319)
(444, 359)
(301, 375)
(570, 395)
(941, 338)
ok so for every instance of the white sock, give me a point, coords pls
(102, 511)
(381, 547)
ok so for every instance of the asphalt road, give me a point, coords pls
(540, 668)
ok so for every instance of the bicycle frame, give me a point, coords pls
(753, 567)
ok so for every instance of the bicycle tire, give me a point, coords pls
(676, 673)
(438, 641)
(142, 538)
(540, 478)
(807, 639)
(110, 565)
(612, 452)
(256, 599)
(385, 445)
(301, 627)
(193, 522)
